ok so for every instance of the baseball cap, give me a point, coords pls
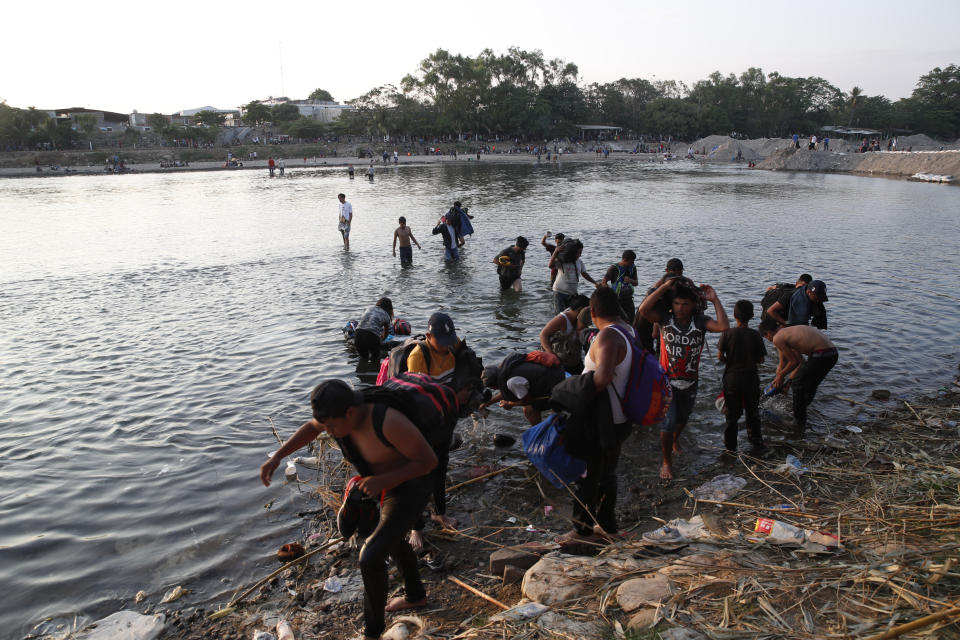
(332, 398)
(440, 326)
(675, 264)
(819, 289)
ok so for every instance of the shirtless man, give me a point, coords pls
(404, 234)
(792, 344)
(401, 471)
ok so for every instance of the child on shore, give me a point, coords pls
(404, 234)
(741, 350)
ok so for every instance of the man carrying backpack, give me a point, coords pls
(395, 461)
(609, 359)
(436, 357)
(622, 278)
(683, 331)
(798, 304)
(522, 382)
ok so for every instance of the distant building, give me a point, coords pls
(321, 110)
(106, 120)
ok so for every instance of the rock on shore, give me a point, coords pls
(897, 163)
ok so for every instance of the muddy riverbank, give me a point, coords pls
(881, 497)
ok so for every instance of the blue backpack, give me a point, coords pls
(646, 398)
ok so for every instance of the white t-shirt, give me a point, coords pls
(519, 386)
(567, 277)
(346, 212)
(621, 375)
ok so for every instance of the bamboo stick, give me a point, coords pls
(477, 592)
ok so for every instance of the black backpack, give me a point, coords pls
(773, 294)
(397, 358)
(431, 406)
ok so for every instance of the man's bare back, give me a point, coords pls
(802, 339)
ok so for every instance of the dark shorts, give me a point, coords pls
(406, 255)
(681, 406)
(507, 281)
(367, 343)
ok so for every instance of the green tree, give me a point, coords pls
(256, 113)
(321, 95)
(285, 112)
(305, 128)
(936, 102)
(158, 122)
(210, 118)
(86, 123)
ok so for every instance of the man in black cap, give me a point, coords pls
(394, 461)
(436, 357)
(510, 264)
(806, 303)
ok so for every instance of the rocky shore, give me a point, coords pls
(854, 532)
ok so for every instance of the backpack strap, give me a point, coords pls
(637, 352)
(379, 411)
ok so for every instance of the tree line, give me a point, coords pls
(520, 94)
(524, 95)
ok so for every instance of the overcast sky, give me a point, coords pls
(164, 57)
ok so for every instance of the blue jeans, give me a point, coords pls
(560, 300)
(451, 253)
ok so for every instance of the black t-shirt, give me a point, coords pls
(517, 257)
(742, 349)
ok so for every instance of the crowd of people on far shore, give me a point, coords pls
(589, 368)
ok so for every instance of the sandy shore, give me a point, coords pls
(773, 154)
(295, 164)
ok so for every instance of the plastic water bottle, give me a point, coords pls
(770, 391)
(780, 532)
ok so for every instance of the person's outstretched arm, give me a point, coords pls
(306, 434)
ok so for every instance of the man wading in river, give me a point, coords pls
(399, 471)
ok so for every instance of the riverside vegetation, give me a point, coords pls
(524, 95)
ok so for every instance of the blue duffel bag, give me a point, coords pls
(543, 444)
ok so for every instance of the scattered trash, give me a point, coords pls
(547, 509)
(291, 471)
(853, 429)
(264, 635)
(680, 530)
(721, 488)
(793, 465)
(284, 631)
(174, 594)
(290, 551)
(310, 463)
(512, 520)
(836, 443)
(404, 627)
(332, 585)
(140, 597)
(779, 532)
(530, 529)
(527, 611)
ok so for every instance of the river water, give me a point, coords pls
(154, 324)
